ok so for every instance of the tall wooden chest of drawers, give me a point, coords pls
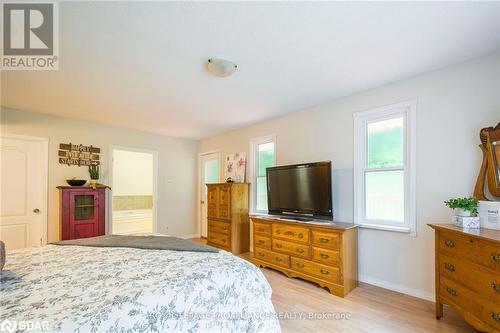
(322, 253)
(468, 274)
(227, 214)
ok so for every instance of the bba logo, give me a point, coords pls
(30, 36)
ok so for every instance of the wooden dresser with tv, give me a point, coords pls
(324, 253)
(227, 215)
(468, 274)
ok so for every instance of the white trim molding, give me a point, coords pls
(429, 296)
(406, 110)
(252, 166)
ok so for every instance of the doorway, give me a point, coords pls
(209, 174)
(23, 191)
(134, 186)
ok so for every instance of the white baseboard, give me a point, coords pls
(190, 236)
(399, 288)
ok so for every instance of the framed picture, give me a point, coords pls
(235, 167)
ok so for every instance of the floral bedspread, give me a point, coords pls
(88, 289)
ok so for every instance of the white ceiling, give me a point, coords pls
(141, 65)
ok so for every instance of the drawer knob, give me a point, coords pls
(279, 246)
(495, 315)
(261, 229)
(278, 232)
(300, 250)
(291, 233)
(451, 291)
(261, 254)
(324, 240)
(449, 243)
(301, 235)
(261, 241)
(278, 259)
(224, 240)
(324, 256)
(324, 271)
(496, 287)
(300, 265)
(449, 266)
(495, 257)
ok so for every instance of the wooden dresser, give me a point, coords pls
(468, 274)
(227, 214)
(322, 253)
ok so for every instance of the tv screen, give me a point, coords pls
(301, 189)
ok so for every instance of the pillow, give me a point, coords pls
(2, 255)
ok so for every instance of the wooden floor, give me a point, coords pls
(366, 309)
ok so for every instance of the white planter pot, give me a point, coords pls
(462, 212)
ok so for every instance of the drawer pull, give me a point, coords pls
(495, 257)
(449, 266)
(261, 241)
(224, 228)
(496, 287)
(451, 291)
(291, 233)
(261, 254)
(261, 229)
(300, 265)
(324, 256)
(279, 246)
(495, 315)
(224, 240)
(278, 259)
(301, 235)
(449, 243)
(324, 271)
(324, 240)
(300, 250)
(278, 232)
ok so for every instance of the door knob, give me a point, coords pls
(36, 210)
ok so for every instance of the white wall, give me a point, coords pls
(132, 173)
(453, 105)
(177, 164)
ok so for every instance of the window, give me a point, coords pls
(384, 166)
(263, 152)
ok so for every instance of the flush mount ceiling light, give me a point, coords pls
(221, 67)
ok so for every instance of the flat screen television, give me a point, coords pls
(301, 190)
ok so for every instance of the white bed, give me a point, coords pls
(89, 289)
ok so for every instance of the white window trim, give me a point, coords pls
(408, 111)
(253, 168)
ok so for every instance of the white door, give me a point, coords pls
(209, 168)
(23, 189)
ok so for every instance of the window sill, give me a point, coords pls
(405, 230)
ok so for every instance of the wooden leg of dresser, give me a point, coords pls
(439, 309)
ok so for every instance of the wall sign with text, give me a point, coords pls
(73, 154)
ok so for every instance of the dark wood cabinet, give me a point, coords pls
(82, 211)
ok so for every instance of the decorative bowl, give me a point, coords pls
(76, 182)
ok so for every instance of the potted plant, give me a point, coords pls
(463, 206)
(94, 175)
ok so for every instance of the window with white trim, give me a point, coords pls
(263, 155)
(384, 167)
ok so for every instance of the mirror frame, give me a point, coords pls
(490, 166)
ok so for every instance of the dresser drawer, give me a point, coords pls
(224, 212)
(219, 239)
(225, 195)
(458, 295)
(469, 248)
(321, 271)
(295, 249)
(212, 211)
(472, 276)
(262, 241)
(219, 227)
(262, 228)
(273, 257)
(324, 256)
(325, 239)
(291, 232)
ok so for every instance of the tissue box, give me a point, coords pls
(470, 222)
(489, 213)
